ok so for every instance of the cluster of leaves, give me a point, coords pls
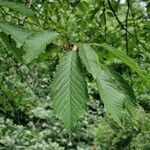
(71, 33)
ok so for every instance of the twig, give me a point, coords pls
(104, 11)
(127, 15)
(8, 14)
(23, 20)
(135, 31)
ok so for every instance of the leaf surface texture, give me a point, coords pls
(69, 90)
(117, 96)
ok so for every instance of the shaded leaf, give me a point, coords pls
(127, 60)
(36, 44)
(18, 33)
(11, 45)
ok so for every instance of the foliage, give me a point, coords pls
(110, 86)
(112, 137)
(80, 61)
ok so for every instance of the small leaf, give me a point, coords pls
(18, 33)
(36, 44)
(19, 8)
(69, 92)
(127, 60)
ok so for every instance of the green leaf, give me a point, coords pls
(36, 44)
(117, 96)
(69, 92)
(19, 8)
(127, 60)
(11, 45)
(89, 58)
(19, 34)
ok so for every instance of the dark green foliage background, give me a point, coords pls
(27, 120)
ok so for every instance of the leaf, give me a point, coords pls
(69, 92)
(36, 44)
(10, 45)
(89, 58)
(127, 60)
(19, 34)
(19, 8)
(117, 96)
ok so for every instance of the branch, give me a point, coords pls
(127, 50)
(115, 15)
(104, 11)
(122, 26)
(127, 15)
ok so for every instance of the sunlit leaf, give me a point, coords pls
(69, 91)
